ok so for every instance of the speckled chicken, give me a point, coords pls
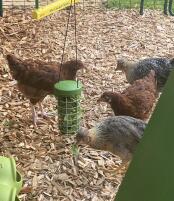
(137, 70)
(137, 100)
(118, 135)
(36, 78)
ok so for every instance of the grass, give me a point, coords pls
(152, 4)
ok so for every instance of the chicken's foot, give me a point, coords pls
(43, 113)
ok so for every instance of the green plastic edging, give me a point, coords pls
(7, 193)
(10, 179)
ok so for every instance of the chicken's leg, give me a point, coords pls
(43, 114)
(34, 114)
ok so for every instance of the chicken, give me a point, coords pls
(136, 101)
(118, 135)
(135, 71)
(36, 78)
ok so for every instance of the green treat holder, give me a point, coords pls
(68, 94)
(10, 180)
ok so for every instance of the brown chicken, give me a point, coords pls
(118, 135)
(137, 100)
(36, 78)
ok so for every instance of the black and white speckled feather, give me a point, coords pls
(161, 66)
(117, 134)
(120, 126)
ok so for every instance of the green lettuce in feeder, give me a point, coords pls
(68, 94)
(10, 180)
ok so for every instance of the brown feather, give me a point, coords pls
(137, 100)
(36, 78)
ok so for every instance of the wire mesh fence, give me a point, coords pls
(23, 4)
(101, 4)
(120, 4)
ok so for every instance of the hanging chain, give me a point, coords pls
(66, 34)
(75, 28)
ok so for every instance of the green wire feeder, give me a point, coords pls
(10, 180)
(68, 94)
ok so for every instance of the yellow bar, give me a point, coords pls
(52, 8)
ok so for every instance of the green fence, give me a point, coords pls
(152, 4)
(1, 8)
(163, 5)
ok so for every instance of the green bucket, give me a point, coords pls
(68, 94)
(10, 180)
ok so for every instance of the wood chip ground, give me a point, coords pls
(43, 156)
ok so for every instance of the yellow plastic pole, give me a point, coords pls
(52, 8)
